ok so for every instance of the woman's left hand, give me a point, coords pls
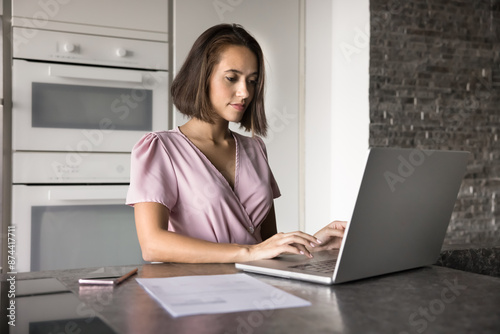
(330, 236)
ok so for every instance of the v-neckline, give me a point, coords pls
(215, 169)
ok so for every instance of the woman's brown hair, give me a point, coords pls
(190, 88)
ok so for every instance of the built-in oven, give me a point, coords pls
(75, 92)
(79, 104)
(73, 226)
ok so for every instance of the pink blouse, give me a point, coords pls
(167, 168)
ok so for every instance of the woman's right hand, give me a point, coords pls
(280, 243)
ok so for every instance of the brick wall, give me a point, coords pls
(435, 83)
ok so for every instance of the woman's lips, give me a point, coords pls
(238, 106)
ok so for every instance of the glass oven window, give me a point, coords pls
(78, 236)
(91, 107)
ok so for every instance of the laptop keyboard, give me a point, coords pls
(326, 266)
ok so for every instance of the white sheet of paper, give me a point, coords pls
(190, 295)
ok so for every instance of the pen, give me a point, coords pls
(127, 275)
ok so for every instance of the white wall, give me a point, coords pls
(318, 110)
(337, 109)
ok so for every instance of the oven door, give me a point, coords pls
(65, 227)
(85, 108)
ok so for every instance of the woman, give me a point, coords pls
(202, 193)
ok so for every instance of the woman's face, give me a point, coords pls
(232, 83)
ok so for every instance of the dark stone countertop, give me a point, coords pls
(432, 299)
(476, 258)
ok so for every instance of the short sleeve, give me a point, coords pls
(274, 184)
(152, 175)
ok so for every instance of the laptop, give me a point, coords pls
(399, 221)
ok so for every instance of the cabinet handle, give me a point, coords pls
(103, 74)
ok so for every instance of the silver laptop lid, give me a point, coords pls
(402, 211)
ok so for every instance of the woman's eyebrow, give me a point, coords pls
(239, 72)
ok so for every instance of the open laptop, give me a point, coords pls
(399, 222)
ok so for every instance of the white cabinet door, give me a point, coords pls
(138, 15)
(275, 24)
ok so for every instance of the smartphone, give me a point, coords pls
(107, 280)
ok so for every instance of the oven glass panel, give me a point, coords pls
(91, 107)
(78, 236)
